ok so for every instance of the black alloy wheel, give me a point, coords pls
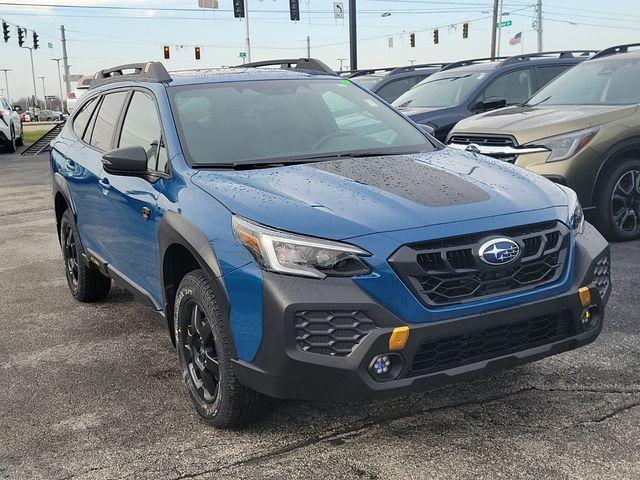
(71, 256)
(199, 350)
(625, 203)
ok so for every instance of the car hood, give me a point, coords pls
(527, 124)
(350, 197)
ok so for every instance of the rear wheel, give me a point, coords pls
(86, 284)
(20, 139)
(618, 204)
(204, 351)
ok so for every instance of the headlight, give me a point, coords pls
(566, 145)
(285, 252)
(576, 215)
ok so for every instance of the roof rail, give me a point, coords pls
(301, 64)
(471, 61)
(369, 71)
(149, 72)
(410, 68)
(560, 53)
(615, 50)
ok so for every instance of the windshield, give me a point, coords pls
(611, 80)
(366, 81)
(226, 123)
(444, 89)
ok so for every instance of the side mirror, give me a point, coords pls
(490, 104)
(125, 161)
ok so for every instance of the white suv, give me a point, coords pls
(81, 88)
(10, 126)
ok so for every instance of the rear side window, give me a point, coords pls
(81, 120)
(106, 120)
(546, 74)
(141, 128)
(395, 88)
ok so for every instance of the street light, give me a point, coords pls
(6, 82)
(44, 93)
(341, 60)
(57, 60)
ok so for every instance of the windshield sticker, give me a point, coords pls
(345, 82)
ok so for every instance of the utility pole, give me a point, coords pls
(353, 37)
(57, 60)
(308, 46)
(6, 82)
(65, 61)
(499, 30)
(494, 28)
(247, 40)
(539, 25)
(44, 92)
(341, 60)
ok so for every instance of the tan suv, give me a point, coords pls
(581, 130)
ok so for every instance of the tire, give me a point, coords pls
(10, 146)
(618, 202)
(85, 283)
(20, 139)
(205, 352)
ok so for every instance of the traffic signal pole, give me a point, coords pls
(65, 61)
(494, 28)
(246, 30)
(353, 37)
(6, 82)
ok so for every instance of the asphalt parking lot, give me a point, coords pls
(93, 391)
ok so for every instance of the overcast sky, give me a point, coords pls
(99, 38)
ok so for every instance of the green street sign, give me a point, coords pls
(506, 23)
(242, 54)
(50, 45)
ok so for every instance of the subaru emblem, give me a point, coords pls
(499, 251)
(473, 148)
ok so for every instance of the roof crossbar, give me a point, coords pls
(615, 50)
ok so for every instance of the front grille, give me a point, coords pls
(602, 276)
(334, 333)
(487, 141)
(449, 271)
(452, 352)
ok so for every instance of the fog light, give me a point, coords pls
(590, 318)
(386, 367)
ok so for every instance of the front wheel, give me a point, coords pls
(205, 352)
(618, 202)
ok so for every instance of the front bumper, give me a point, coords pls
(281, 369)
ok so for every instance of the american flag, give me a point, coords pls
(517, 38)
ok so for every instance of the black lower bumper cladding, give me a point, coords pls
(292, 362)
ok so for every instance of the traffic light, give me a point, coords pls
(436, 37)
(465, 30)
(36, 44)
(412, 39)
(197, 53)
(294, 9)
(5, 31)
(238, 8)
(21, 36)
(166, 52)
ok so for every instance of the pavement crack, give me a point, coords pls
(23, 212)
(354, 428)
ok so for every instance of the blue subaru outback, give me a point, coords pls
(302, 239)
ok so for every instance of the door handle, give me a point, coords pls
(104, 183)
